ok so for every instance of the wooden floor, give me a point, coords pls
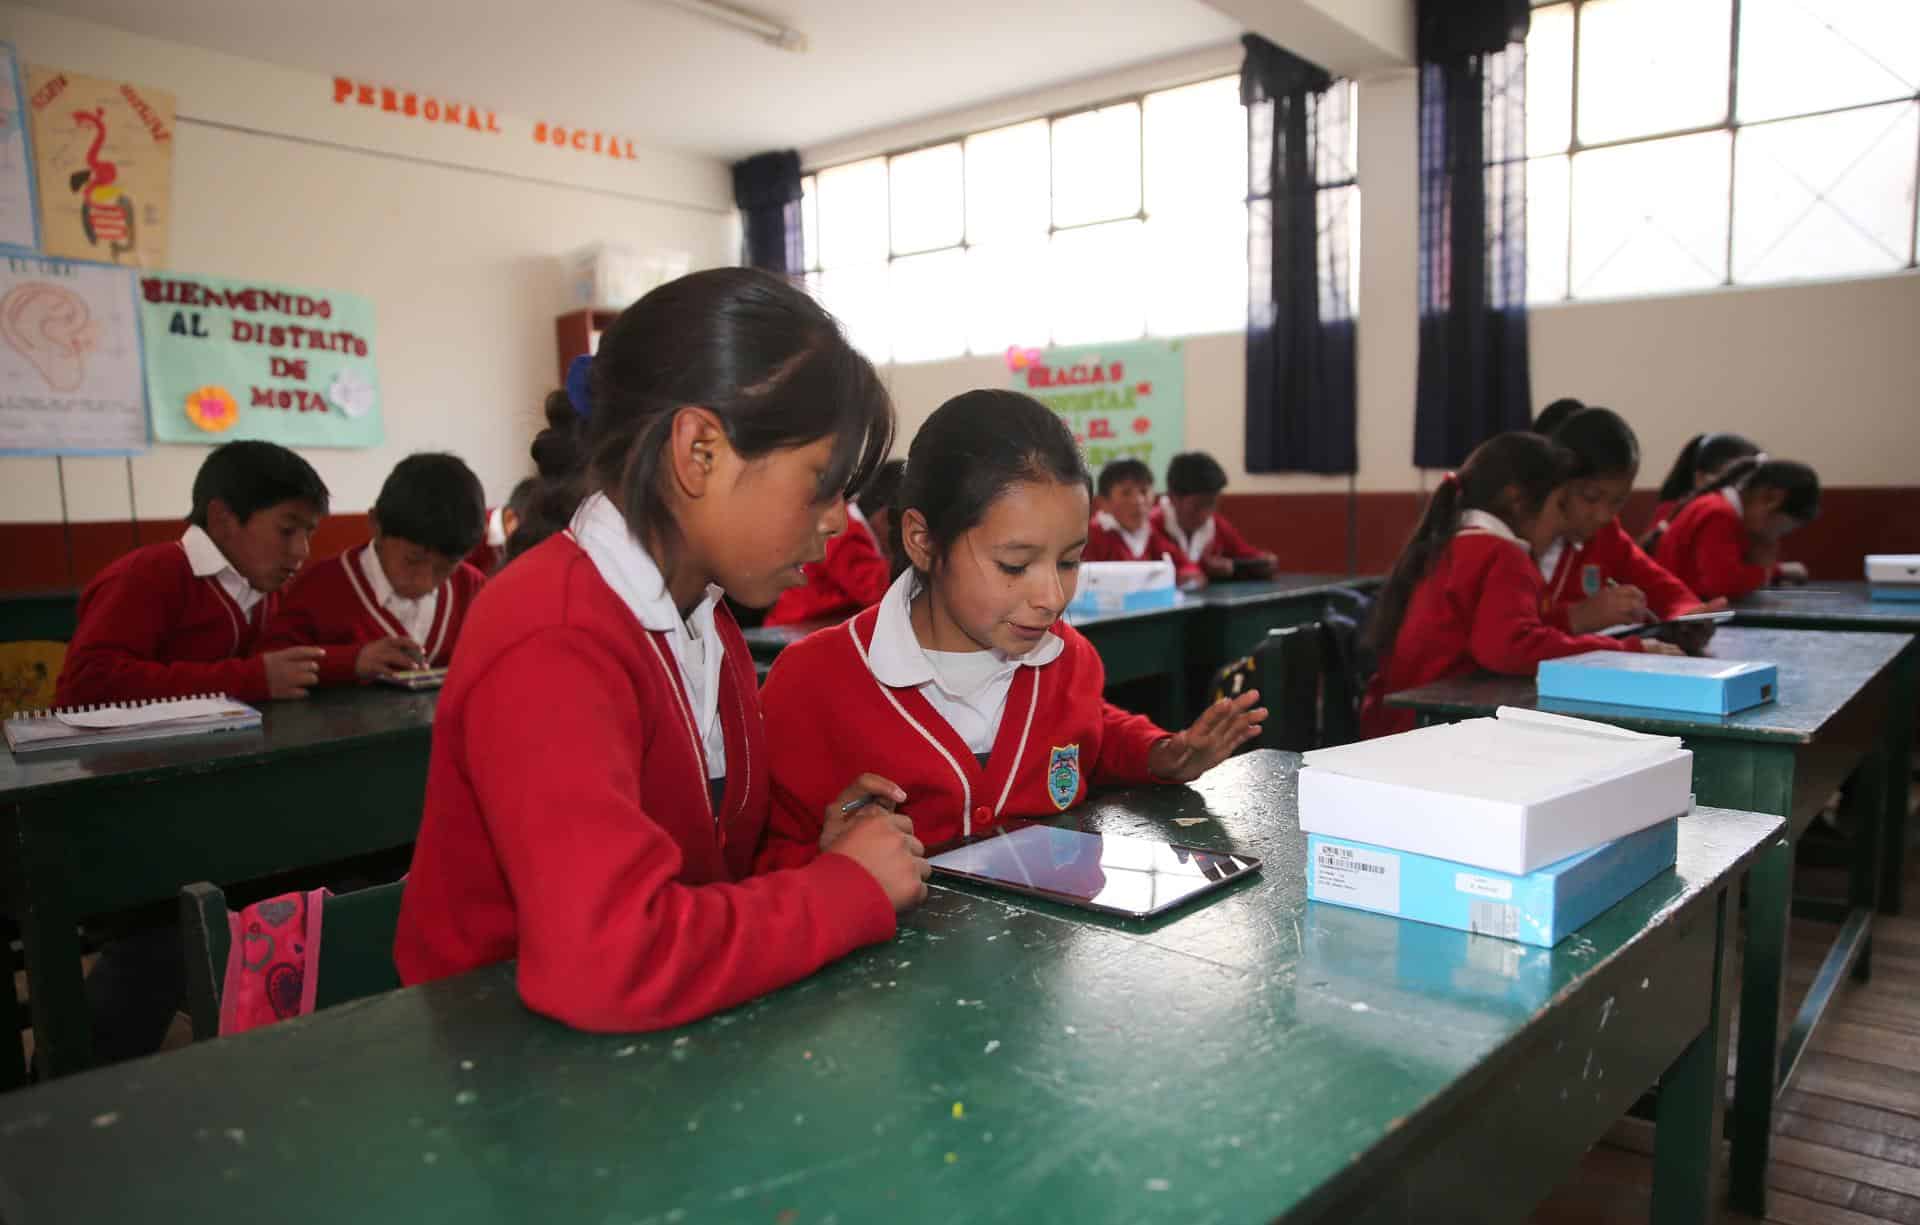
(1846, 1147)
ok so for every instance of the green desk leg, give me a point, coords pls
(1899, 772)
(1692, 1109)
(1763, 984)
(50, 934)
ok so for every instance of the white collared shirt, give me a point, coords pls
(1550, 559)
(1136, 540)
(497, 528)
(207, 561)
(415, 616)
(968, 689)
(1193, 546)
(601, 531)
(1490, 524)
(1732, 494)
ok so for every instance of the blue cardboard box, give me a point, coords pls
(1907, 593)
(1663, 682)
(1542, 907)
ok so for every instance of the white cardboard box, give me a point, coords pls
(1893, 568)
(1512, 793)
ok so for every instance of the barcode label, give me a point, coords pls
(1357, 877)
(1494, 919)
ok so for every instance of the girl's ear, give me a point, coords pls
(696, 444)
(917, 540)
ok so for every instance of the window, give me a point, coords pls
(1683, 144)
(1110, 223)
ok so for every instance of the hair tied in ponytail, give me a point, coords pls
(1449, 479)
(579, 393)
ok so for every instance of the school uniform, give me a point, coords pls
(972, 738)
(492, 549)
(596, 794)
(852, 576)
(1107, 540)
(1479, 607)
(1705, 544)
(166, 621)
(345, 602)
(1214, 538)
(1579, 572)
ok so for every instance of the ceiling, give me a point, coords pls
(678, 81)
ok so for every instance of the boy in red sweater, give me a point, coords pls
(1190, 518)
(856, 570)
(398, 601)
(1123, 528)
(185, 616)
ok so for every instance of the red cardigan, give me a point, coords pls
(1706, 546)
(833, 720)
(331, 606)
(1104, 544)
(1479, 607)
(1226, 541)
(568, 820)
(852, 577)
(147, 628)
(1611, 554)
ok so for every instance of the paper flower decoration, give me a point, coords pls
(1019, 359)
(212, 409)
(351, 392)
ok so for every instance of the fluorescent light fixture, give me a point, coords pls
(764, 28)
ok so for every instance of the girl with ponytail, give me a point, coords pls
(1699, 464)
(1465, 592)
(1725, 539)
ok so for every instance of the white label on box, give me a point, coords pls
(1494, 919)
(1483, 886)
(1357, 877)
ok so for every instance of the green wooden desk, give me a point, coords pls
(46, 616)
(1785, 757)
(765, 642)
(1258, 1058)
(85, 833)
(1236, 616)
(1850, 606)
(1146, 645)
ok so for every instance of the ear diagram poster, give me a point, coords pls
(70, 377)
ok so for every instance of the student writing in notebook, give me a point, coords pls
(963, 685)
(854, 573)
(186, 616)
(1725, 539)
(1190, 516)
(1465, 592)
(1700, 463)
(1123, 528)
(398, 601)
(598, 786)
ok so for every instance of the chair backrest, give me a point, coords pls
(1349, 664)
(1285, 668)
(356, 948)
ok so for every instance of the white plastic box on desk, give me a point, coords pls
(1513, 793)
(606, 276)
(1120, 586)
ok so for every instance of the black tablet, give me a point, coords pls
(1113, 873)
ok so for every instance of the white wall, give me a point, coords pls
(452, 238)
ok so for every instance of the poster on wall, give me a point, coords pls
(245, 359)
(69, 359)
(19, 224)
(103, 159)
(1123, 400)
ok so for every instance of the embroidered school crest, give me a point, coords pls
(1590, 580)
(1063, 775)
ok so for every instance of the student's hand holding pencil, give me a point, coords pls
(864, 797)
(1222, 728)
(880, 839)
(1616, 604)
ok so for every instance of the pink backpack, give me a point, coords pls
(273, 961)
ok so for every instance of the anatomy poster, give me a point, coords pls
(17, 226)
(103, 157)
(70, 379)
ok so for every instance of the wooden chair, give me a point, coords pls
(356, 946)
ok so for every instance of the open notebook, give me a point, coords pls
(127, 722)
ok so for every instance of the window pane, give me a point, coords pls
(1007, 183)
(928, 306)
(1550, 80)
(1339, 252)
(853, 213)
(1196, 274)
(1812, 55)
(1546, 229)
(1651, 217)
(1096, 165)
(926, 199)
(857, 297)
(810, 221)
(1649, 66)
(1006, 296)
(1826, 196)
(1196, 148)
(1336, 137)
(1096, 291)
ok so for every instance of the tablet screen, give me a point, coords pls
(1110, 872)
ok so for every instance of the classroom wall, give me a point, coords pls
(453, 238)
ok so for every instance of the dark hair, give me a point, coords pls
(251, 476)
(1128, 469)
(1800, 483)
(1195, 472)
(1536, 465)
(1703, 453)
(877, 495)
(522, 496)
(973, 449)
(1601, 441)
(435, 501)
(1554, 415)
(747, 346)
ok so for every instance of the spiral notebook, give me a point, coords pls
(127, 722)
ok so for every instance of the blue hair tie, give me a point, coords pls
(579, 372)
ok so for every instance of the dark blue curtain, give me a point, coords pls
(766, 187)
(1474, 378)
(1300, 351)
